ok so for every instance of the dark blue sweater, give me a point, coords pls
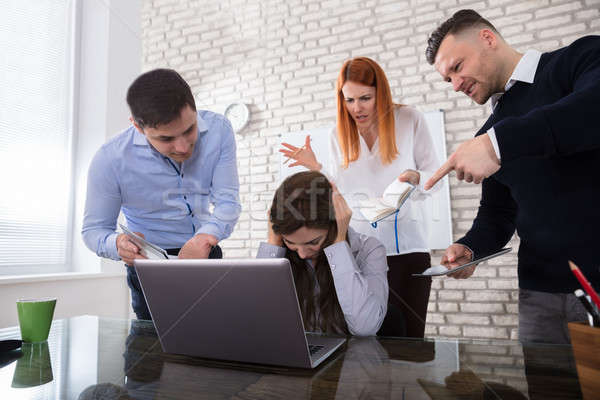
(548, 186)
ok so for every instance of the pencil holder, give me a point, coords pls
(585, 340)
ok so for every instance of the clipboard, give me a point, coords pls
(147, 249)
(440, 270)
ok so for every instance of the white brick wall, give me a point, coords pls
(282, 58)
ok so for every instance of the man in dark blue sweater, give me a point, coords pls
(538, 158)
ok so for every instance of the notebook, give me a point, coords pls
(394, 196)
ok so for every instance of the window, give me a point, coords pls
(35, 135)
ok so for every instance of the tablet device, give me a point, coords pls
(147, 249)
(439, 270)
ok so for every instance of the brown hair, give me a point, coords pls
(367, 72)
(304, 199)
(157, 97)
(459, 22)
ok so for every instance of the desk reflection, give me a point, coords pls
(98, 358)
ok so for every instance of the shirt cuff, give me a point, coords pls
(267, 250)
(340, 258)
(492, 135)
(111, 247)
(210, 229)
(470, 249)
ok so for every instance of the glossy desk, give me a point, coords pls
(96, 358)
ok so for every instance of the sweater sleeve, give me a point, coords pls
(568, 125)
(494, 224)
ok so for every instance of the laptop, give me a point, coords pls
(235, 310)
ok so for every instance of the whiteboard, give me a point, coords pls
(437, 215)
(437, 212)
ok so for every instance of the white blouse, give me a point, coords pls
(367, 177)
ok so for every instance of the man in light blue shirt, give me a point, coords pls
(163, 173)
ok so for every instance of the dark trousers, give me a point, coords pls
(138, 302)
(408, 293)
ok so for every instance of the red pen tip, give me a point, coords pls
(572, 265)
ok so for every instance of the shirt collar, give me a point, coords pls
(524, 72)
(139, 139)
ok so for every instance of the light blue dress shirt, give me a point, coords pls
(167, 202)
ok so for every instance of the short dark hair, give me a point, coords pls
(460, 21)
(157, 97)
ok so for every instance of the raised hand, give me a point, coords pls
(303, 156)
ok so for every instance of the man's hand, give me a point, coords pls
(455, 256)
(198, 247)
(473, 161)
(127, 250)
(411, 176)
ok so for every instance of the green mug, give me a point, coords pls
(35, 318)
(34, 368)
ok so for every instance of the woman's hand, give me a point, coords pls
(272, 237)
(303, 156)
(343, 213)
(411, 176)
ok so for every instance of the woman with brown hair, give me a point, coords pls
(340, 275)
(374, 144)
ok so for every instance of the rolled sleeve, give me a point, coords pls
(361, 287)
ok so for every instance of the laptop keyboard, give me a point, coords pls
(314, 348)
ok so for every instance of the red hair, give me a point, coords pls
(366, 72)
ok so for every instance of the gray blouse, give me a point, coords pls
(359, 273)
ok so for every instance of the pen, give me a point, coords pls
(585, 284)
(296, 152)
(595, 318)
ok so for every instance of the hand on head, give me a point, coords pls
(455, 256)
(473, 161)
(272, 237)
(343, 213)
(127, 250)
(303, 156)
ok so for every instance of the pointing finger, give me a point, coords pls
(439, 174)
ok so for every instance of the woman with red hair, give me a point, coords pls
(376, 142)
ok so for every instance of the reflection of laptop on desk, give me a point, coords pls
(236, 310)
